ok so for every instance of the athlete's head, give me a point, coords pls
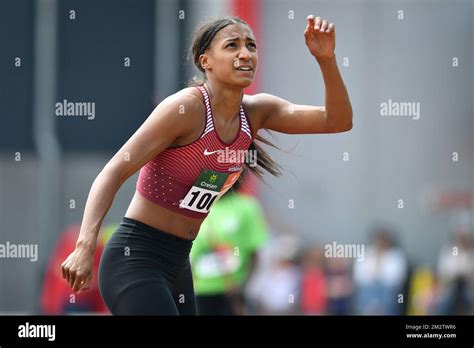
(222, 48)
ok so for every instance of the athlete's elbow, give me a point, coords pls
(347, 128)
(112, 176)
(341, 129)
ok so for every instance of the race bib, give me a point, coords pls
(207, 189)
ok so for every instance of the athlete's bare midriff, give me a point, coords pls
(161, 218)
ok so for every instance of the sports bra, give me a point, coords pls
(189, 179)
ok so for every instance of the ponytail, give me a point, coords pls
(264, 161)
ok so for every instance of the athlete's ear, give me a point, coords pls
(204, 61)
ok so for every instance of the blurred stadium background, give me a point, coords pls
(126, 56)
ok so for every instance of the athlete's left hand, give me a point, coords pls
(320, 37)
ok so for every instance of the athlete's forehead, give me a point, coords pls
(235, 32)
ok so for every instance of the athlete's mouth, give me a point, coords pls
(245, 68)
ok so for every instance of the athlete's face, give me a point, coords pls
(232, 56)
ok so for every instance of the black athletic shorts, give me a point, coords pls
(145, 271)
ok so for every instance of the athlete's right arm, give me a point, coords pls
(164, 125)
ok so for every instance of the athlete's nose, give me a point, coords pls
(245, 53)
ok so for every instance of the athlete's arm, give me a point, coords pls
(160, 129)
(164, 125)
(283, 116)
(336, 116)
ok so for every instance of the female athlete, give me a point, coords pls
(144, 269)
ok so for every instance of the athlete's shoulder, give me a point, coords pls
(262, 100)
(185, 102)
(257, 107)
(188, 96)
(249, 100)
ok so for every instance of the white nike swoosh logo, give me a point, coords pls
(207, 153)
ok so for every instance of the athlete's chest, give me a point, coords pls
(227, 131)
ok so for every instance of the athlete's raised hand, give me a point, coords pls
(320, 37)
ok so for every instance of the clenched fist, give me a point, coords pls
(77, 269)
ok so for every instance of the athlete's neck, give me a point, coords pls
(225, 101)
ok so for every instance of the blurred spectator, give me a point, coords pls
(274, 289)
(422, 292)
(313, 297)
(224, 254)
(456, 275)
(380, 277)
(340, 286)
(57, 298)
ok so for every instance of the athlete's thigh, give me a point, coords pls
(183, 293)
(145, 298)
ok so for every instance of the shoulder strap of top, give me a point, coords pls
(245, 124)
(207, 103)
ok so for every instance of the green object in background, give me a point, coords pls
(107, 232)
(221, 255)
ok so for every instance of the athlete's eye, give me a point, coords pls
(234, 45)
